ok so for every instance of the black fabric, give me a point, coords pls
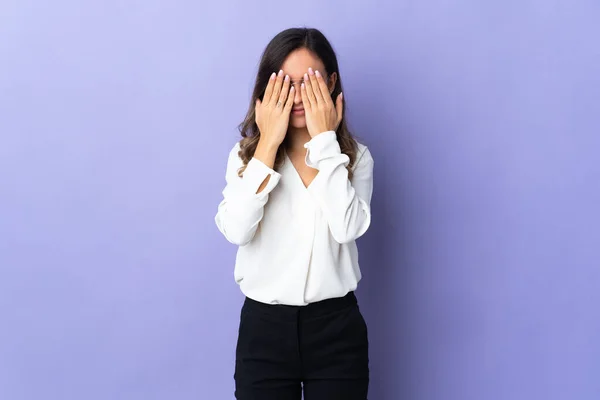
(322, 347)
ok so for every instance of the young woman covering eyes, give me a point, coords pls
(297, 197)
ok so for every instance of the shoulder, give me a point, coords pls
(363, 155)
(234, 154)
(234, 161)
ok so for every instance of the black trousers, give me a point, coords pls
(321, 348)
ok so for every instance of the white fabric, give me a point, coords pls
(297, 244)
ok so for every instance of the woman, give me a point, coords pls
(297, 197)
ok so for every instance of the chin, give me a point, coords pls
(298, 122)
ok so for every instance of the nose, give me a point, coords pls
(297, 94)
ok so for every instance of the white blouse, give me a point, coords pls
(297, 243)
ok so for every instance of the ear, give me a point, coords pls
(331, 82)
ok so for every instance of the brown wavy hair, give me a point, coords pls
(272, 59)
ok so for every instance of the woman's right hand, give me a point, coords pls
(273, 112)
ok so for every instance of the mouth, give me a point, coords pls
(299, 111)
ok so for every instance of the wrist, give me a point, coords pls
(266, 152)
(267, 144)
(320, 131)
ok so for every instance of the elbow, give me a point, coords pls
(234, 234)
(343, 238)
(238, 238)
(348, 233)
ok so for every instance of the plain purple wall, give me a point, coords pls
(482, 265)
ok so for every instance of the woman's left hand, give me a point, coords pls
(319, 110)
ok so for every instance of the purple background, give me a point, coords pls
(482, 265)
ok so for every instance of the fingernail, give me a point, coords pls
(317, 73)
(305, 77)
(310, 71)
(302, 86)
(287, 78)
(292, 89)
(280, 72)
(273, 75)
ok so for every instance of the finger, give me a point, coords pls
(315, 86)
(269, 89)
(257, 104)
(305, 100)
(290, 100)
(309, 91)
(323, 87)
(277, 88)
(339, 108)
(285, 91)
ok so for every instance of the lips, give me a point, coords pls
(298, 111)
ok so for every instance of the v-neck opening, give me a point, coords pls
(298, 177)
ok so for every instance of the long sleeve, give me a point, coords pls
(345, 204)
(241, 209)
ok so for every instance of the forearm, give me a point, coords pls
(344, 203)
(266, 153)
(347, 214)
(244, 198)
